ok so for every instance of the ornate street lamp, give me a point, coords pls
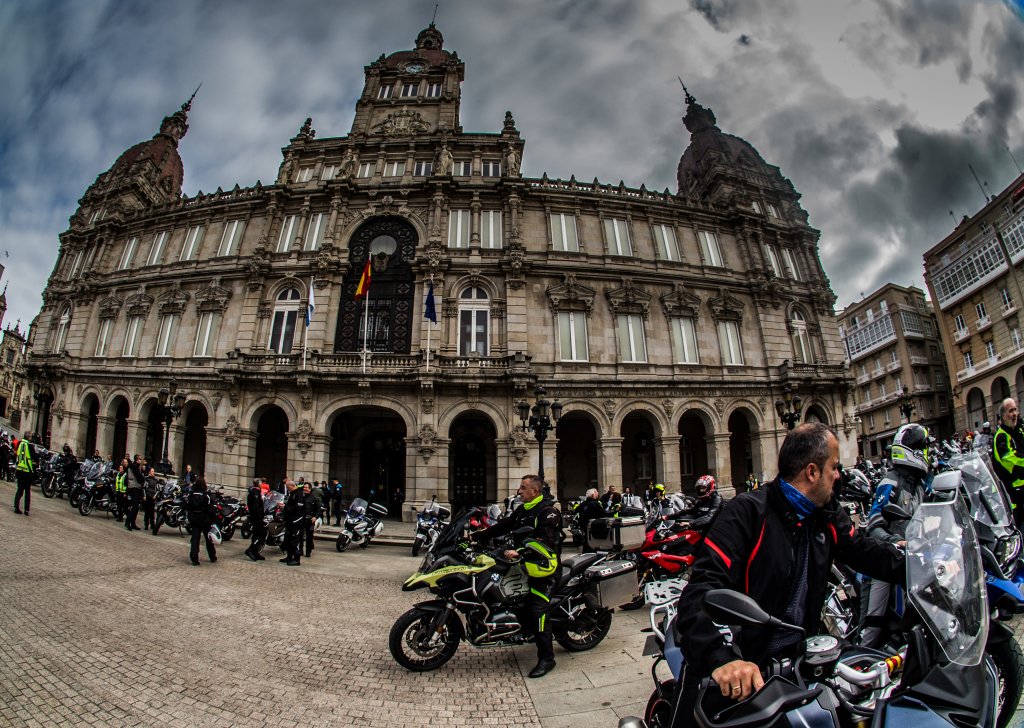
(906, 403)
(788, 407)
(171, 402)
(540, 418)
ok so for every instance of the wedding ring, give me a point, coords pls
(735, 688)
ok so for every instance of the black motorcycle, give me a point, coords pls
(99, 494)
(169, 508)
(429, 524)
(53, 480)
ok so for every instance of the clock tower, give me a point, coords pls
(416, 91)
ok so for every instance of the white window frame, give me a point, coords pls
(458, 228)
(632, 343)
(990, 349)
(286, 311)
(129, 253)
(968, 360)
(564, 232)
(490, 229)
(790, 261)
(366, 170)
(471, 308)
(616, 231)
(668, 245)
(61, 335)
(710, 249)
(980, 309)
(287, 235)
(193, 239)
(684, 340)
(410, 89)
(316, 229)
(773, 260)
(434, 90)
(231, 237)
(394, 168)
(490, 168)
(462, 168)
(802, 352)
(571, 333)
(103, 337)
(329, 172)
(423, 168)
(76, 265)
(757, 207)
(731, 343)
(305, 174)
(206, 331)
(156, 252)
(385, 92)
(165, 335)
(959, 323)
(131, 337)
(773, 211)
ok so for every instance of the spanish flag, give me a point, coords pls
(364, 281)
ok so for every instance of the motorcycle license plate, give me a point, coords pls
(651, 647)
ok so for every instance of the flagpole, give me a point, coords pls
(309, 320)
(428, 325)
(366, 324)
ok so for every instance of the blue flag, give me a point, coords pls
(430, 312)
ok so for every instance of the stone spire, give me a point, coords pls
(175, 126)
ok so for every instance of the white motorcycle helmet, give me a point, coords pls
(910, 448)
(318, 524)
(215, 535)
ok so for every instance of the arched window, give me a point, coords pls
(801, 341)
(286, 316)
(61, 335)
(474, 322)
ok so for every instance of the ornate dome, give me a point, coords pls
(429, 50)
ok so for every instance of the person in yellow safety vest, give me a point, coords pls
(24, 468)
(121, 489)
(1008, 456)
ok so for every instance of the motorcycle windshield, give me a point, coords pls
(271, 501)
(94, 471)
(987, 500)
(357, 508)
(946, 581)
(168, 488)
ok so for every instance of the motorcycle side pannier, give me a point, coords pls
(612, 584)
(616, 533)
(378, 510)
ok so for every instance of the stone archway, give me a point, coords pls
(694, 460)
(976, 409)
(368, 455)
(639, 465)
(271, 461)
(742, 436)
(91, 408)
(815, 413)
(473, 461)
(153, 438)
(120, 410)
(576, 455)
(193, 449)
(1000, 391)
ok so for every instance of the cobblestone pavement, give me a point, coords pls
(103, 627)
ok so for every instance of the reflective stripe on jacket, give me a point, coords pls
(24, 457)
(1009, 462)
(119, 484)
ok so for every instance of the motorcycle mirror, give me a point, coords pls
(631, 721)
(892, 512)
(729, 607)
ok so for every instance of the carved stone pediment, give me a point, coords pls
(139, 304)
(212, 298)
(402, 123)
(110, 307)
(630, 298)
(173, 301)
(726, 307)
(571, 295)
(680, 303)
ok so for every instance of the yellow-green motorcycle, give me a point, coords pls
(481, 598)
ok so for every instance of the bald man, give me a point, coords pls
(1008, 456)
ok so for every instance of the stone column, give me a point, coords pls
(720, 460)
(104, 435)
(666, 462)
(609, 462)
(137, 436)
(175, 445)
(72, 431)
(308, 455)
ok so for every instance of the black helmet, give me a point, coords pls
(910, 447)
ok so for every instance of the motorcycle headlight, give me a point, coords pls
(1007, 552)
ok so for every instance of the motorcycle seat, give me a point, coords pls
(574, 566)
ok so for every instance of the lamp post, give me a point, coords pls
(171, 402)
(788, 407)
(540, 418)
(906, 403)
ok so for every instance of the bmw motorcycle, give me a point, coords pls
(481, 598)
(98, 492)
(361, 525)
(429, 523)
(169, 508)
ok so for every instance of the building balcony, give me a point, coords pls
(379, 363)
(961, 334)
(894, 366)
(863, 378)
(877, 372)
(1009, 308)
(984, 322)
(966, 373)
(919, 361)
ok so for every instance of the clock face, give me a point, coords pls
(415, 68)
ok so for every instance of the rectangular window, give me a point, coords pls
(968, 360)
(572, 336)
(385, 92)
(990, 349)
(433, 90)
(684, 341)
(315, 231)
(709, 248)
(366, 169)
(883, 306)
(773, 211)
(790, 260)
(490, 168)
(982, 311)
(287, 237)
(103, 337)
(1005, 297)
(131, 337)
(961, 325)
(473, 337)
(329, 172)
(462, 169)
(206, 333)
(424, 169)
(632, 347)
(394, 169)
(231, 237)
(1015, 337)
(729, 340)
(409, 89)
(563, 232)
(305, 174)
(881, 390)
(129, 254)
(165, 335)
(773, 260)
(893, 356)
(668, 246)
(193, 239)
(757, 207)
(156, 253)
(616, 232)
(76, 267)
(458, 229)
(490, 229)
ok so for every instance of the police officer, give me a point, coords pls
(316, 495)
(296, 514)
(25, 467)
(200, 518)
(538, 551)
(336, 500)
(1008, 456)
(121, 489)
(254, 506)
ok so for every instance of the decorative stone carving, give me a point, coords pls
(428, 442)
(58, 411)
(630, 298)
(518, 444)
(304, 437)
(217, 397)
(510, 124)
(139, 304)
(668, 405)
(443, 162)
(173, 301)
(213, 297)
(110, 307)
(402, 123)
(571, 295)
(473, 395)
(259, 264)
(680, 303)
(762, 404)
(511, 162)
(720, 406)
(726, 307)
(609, 407)
(231, 432)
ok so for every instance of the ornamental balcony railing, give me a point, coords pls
(918, 361)
(378, 362)
(894, 366)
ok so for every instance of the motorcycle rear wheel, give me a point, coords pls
(49, 486)
(1010, 668)
(342, 543)
(85, 506)
(659, 708)
(246, 531)
(416, 547)
(74, 498)
(410, 646)
(585, 631)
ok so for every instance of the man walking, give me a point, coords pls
(25, 468)
(336, 500)
(200, 519)
(314, 495)
(295, 517)
(1008, 456)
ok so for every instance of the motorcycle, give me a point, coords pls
(943, 677)
(668, 551)
(228, 513)
(482, 598)
(51, 476)
(429, 523)
(361, 525)
(98, 492)
(169, 507)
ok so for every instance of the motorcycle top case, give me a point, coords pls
(616, 533)
(378, 510)
(611, 584)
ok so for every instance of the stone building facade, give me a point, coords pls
(666, 324)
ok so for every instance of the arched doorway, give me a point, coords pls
(367, 455)
(693, 450)
(742, 427)
(638, 462)
(815, 413)
(121, 411)
(1000, 391)
(153, 447)
(473, 462)
(271, 460)
(382, 470)
(42, 429)
(91, 407)
(975, 409)
(1018, 386)
(193, 450)
(576, 455)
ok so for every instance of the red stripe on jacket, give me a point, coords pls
(714, 547)
(757, 546)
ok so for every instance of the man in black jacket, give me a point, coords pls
(254, 508)
(539, 552)
(588, 510)
(200, 518)
(298, 510)
(777, 545)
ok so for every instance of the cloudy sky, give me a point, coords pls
(873, 108)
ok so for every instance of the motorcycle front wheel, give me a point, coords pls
(660, 706)
(85, 506)
(342, 543)
(1010, 669)
(157, 522)
(416, 546)
(227, 533)
(585, 630)
(74, 498)
(246, 531)
(418, 648)
(49, 486)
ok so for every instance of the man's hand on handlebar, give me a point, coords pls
(738, 679)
